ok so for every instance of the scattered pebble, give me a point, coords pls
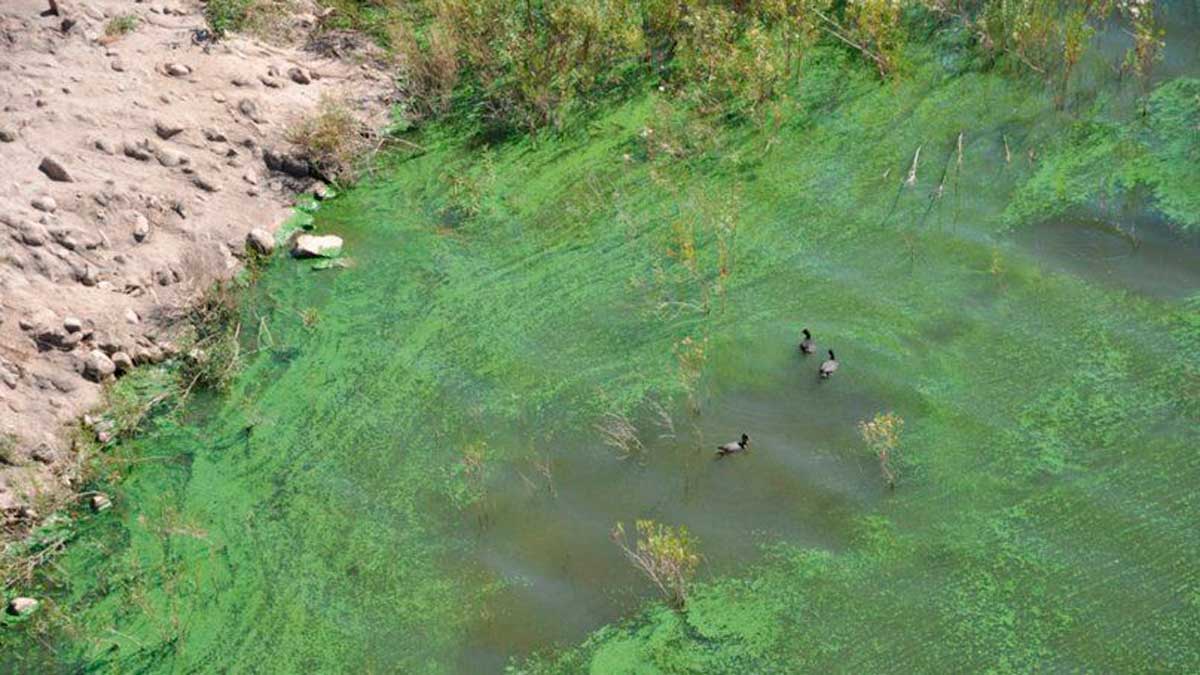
(178, 70)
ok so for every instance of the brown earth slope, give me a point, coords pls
(131, 170)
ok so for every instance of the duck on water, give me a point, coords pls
(734, 448)
(807, 346)
(829, 367)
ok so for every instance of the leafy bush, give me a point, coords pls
(332, 139)
(120, 25)
(261, 17)
(666, 555)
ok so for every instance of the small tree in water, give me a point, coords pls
(664, 554)
(882, 435)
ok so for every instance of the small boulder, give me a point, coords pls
(7, 135)
(167, 130)
(139, 151)
(72, 324)
(205, 184)
(44, 454)
(32, 234)
(315, 246)
(141, 226)
(177, 70)
(299, 75)
(171, 158)
(260, 241)
(21, 606)
(285, 163)
(54, 170)
(123, 362)
(98, 367)
(250, 110)
(100, 502)
(44, 203)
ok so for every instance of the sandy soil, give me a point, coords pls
(131, 171)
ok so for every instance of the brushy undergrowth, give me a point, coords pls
(333, 140)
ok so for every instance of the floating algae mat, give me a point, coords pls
(419, 468)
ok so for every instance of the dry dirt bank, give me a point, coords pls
(131, 171)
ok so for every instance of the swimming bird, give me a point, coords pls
(807, 346)
(732, 448)
(829, 367)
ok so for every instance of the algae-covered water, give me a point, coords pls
(411, 473)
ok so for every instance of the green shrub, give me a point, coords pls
(120, 25)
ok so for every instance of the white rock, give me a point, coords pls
(141, 226)
(314, 246)
(260, 241)
(178, 70)
(44, 203)
(22, 606)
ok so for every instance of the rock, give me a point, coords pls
(108, 344)
(177, 70)
(279, 161)
(105, 146)
(299, 75)
(98, 367)
(67, 237)
(140, 151)
(72, 324)
(315, 246)
(141, 226)
(205, 184)
(249, 109)
(54, 170)
(100, 502)
(87, 275)
(214, 136)
(44, 203)
(32, 234)
(7, 135)
(260, 241)
(270, 82)
(167, 130)
(123, 362)
(46, 329)
(21, 606)
(117, 65)
(132, 317)
(321, 192)
(240, 82)
(44, 454)
(171, 158)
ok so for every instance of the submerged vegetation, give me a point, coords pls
(622, 213)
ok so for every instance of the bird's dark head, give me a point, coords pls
(831, 356)
(807, 335)
(745, 439)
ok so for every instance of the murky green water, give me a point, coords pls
(415, 481)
